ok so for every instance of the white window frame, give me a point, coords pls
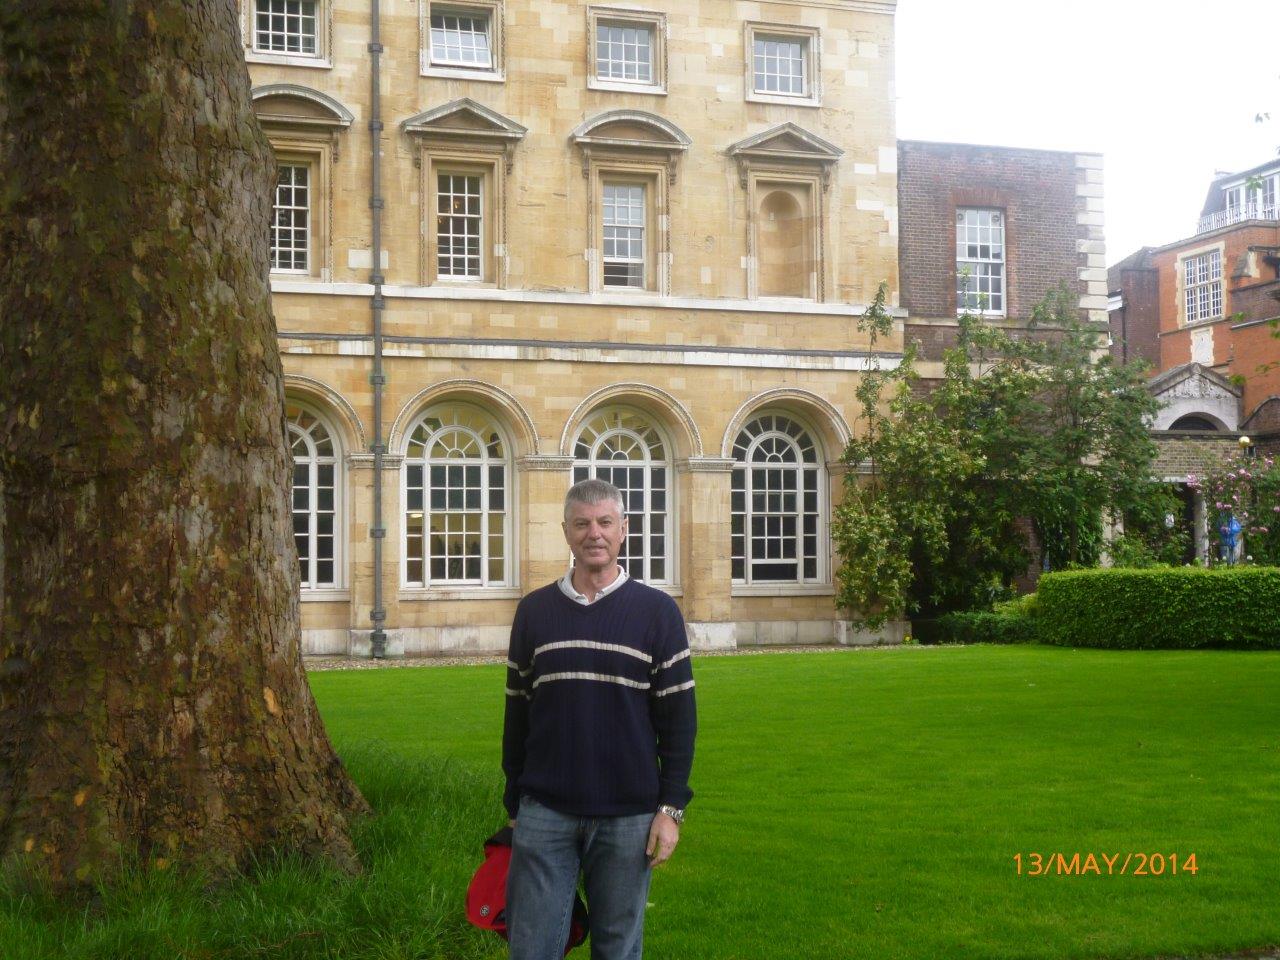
(308, 247)
(320, 59)
(617, 427)
(481, 218)
(493, 13)
(450, 413)
(1212, 283)
(610, 185)
(298, 427)
(654, 23)
(972, 294)
(744, 445)
(810, 41)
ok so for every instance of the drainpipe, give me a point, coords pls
(378, 531)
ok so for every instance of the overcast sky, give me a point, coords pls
(1166, 90)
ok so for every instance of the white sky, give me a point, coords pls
(1166, 90)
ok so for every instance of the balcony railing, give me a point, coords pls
(1250, 211)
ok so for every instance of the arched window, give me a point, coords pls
(457, 519)
(624, 448)
(775, 503)
(315, 499)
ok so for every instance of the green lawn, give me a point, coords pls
(849, 804)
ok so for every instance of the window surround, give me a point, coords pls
(657, 25)
(787, 154)
(464, 137)
(630, 158)
(1181, 269)
(320, 60)
(811, 40)
(306, 126)
(490, 9)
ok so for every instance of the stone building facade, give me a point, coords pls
(992, 230)
(626, 240)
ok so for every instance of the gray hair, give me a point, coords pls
(594, 491)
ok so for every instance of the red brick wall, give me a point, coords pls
(1036, 189)
(1135, 328)
(1243, 351)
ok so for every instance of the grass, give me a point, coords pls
(848, 805)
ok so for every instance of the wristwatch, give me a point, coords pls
(675, 813)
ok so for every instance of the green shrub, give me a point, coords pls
(975, 626)
(1025, 605)
(1174, 607)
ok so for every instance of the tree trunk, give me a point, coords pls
(152, 696)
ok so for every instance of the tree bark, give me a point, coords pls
(152, 696)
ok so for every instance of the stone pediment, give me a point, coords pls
(1192, 390)
(1192, 380)
(630, 131)
(787, 144)
(293, 105)
(464, 119)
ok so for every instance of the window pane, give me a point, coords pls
(459, 222)
(623, 233)
(290, 219)
(460, 39)
(980, 261)
(285, 26)
(624, 52)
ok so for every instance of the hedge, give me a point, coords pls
(1173, 607)
(975, 626)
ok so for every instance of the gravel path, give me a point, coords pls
(474, 659)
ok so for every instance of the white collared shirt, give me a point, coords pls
(570, 591)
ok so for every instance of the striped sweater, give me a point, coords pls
(600, 715)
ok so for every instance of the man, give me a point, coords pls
(597, 743)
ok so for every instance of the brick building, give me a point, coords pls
(1203, 306)
(1213, 296)
(1133, 309)
(516, 242)
(992, 230)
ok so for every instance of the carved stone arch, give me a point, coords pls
(291, 106)
(630, 132)
(832, 433)
(671, 414)
(334, 408)
(506, 408)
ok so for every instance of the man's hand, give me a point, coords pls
(664, 834)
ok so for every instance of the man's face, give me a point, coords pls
(594, 532)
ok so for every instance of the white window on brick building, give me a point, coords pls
(459, 226)
(291, 219)
(623, 222)
(776, 506)
(625, 448)
(456, 496)
(316, 497)
(980, 260)
(1202, 286)
(286, 26)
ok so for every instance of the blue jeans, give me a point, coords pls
(548, 851)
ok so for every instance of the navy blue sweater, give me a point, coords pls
(600, 714)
